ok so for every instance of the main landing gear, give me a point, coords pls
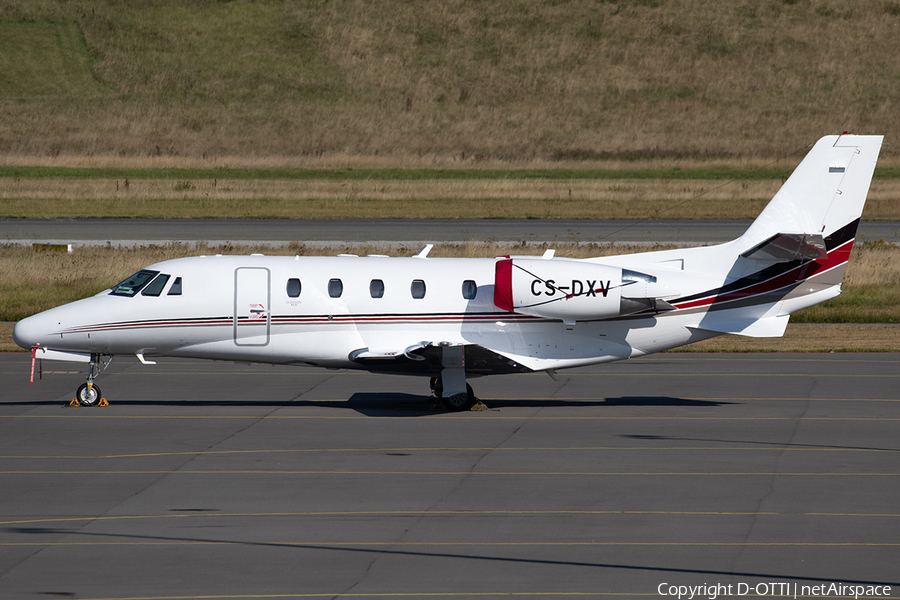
(459, 401)
(450, 386)
(89, 394)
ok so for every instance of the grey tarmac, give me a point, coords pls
(131, 232)
(215, 480)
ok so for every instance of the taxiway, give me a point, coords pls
(214, 480)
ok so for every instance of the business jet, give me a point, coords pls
(454, 319)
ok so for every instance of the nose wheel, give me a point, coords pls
(88, 394)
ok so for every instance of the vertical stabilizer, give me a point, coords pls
(824, 195)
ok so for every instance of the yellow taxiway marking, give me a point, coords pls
(769, 448)
(333, 595)
(444, 513)
(440, 473)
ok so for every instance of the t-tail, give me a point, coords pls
(794, 254)
(814, 216)
(820, 205)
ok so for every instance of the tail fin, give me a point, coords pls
(824, 196)
(794, 254)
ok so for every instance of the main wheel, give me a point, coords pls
(88, 397)
(458, 401)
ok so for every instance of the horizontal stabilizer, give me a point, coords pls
(784, 247)
(760, 328)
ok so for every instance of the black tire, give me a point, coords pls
(458, 402)
(88, 398)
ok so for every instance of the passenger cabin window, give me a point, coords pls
(158, 285)
(417, 289)
(469, 289)
(335, 288)
(293, 288)
(376, 288)
(131, 286)
(175, 290)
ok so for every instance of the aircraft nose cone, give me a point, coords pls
(27, 333)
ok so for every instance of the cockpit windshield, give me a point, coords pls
(131, 286)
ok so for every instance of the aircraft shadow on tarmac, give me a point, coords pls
(391, 404)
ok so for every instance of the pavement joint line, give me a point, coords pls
(449, 473)
(444, 513)
(445, 544)
(440, 449)
(334, 595)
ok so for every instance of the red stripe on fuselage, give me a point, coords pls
(836, 258)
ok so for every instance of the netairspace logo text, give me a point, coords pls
(783, 590)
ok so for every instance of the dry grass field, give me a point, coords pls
(441, 83)
(397, 199)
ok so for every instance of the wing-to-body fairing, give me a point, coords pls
(455, 318)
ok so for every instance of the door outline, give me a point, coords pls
(252, 305)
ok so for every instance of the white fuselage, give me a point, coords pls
(241, 308)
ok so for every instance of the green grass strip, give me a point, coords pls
(713, 173)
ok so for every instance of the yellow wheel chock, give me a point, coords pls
(75, 402)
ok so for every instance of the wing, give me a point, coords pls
(424, 358)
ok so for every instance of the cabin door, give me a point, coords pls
(252, 306)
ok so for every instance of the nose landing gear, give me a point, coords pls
(89, 394)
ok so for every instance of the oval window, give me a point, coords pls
(417, 289)
(293, 288)
(469, 289)
(335, 288)
(376, 288)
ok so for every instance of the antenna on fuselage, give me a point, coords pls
(423, 253)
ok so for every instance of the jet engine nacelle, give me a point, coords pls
(558, 289)
(575, 290)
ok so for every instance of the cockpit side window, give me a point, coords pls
(175, 290)
(131, 286)
(158, 285)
